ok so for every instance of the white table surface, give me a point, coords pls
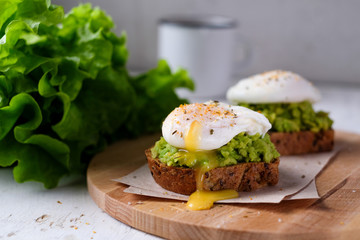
(28, 211)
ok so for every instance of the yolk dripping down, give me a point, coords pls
(202, 199)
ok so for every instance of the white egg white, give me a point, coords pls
(273, 87)
(220, 122)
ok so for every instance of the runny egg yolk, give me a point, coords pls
(202, 199)
(193, 136)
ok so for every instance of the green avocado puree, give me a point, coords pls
(292, 117)
(242, 148)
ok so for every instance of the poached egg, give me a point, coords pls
(210, 125)
(273, 87)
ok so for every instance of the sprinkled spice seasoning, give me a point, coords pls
(174, 132)
(211, 131)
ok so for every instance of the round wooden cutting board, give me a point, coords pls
(336, 215)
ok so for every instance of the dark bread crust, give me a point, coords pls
(240, 177)
(302, 142)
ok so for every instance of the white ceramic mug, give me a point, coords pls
(203, 45)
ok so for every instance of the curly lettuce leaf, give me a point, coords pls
(65, 92)
(31, 151)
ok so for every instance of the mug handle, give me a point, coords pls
(242, 56)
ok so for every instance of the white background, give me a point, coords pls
(319, 39)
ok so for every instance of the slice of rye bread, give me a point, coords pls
(241, 177)
(302, 142)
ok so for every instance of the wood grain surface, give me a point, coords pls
(336, 215)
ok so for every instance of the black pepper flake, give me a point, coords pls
(174, 132)
(216, 101)
(211, 131)
(303, 176)
(181, 135)
(187, 119)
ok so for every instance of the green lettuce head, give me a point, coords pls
(65, 91)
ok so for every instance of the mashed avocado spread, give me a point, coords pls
(293, 117)
(242, 148)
